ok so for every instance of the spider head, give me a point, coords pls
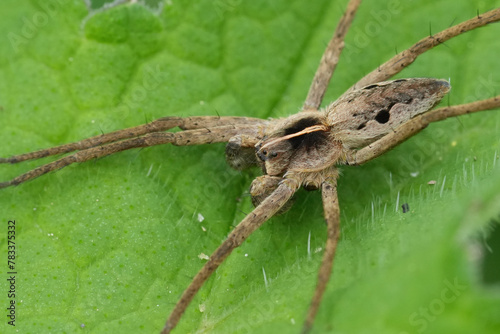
(298, 143)
(274, 156)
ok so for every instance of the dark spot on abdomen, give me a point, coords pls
(383, 116)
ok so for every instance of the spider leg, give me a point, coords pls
(248, 225)
(415, 125)
(330, 59)
(158, 125)
(332, 217)
(240, 151)
(183, 138)
(403, 59)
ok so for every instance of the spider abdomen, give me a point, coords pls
(360, 117)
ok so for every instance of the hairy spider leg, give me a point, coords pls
(218, 134)
(405, 58)
(158, 125)
(330, 59)
(415, 125)
(332, 217)
(241, 232)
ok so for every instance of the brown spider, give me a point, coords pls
(302, 150)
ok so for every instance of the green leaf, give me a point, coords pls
(110, 245)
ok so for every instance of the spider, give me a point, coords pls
(279, 142)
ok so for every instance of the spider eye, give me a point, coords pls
(274, 155)
(264, 152)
